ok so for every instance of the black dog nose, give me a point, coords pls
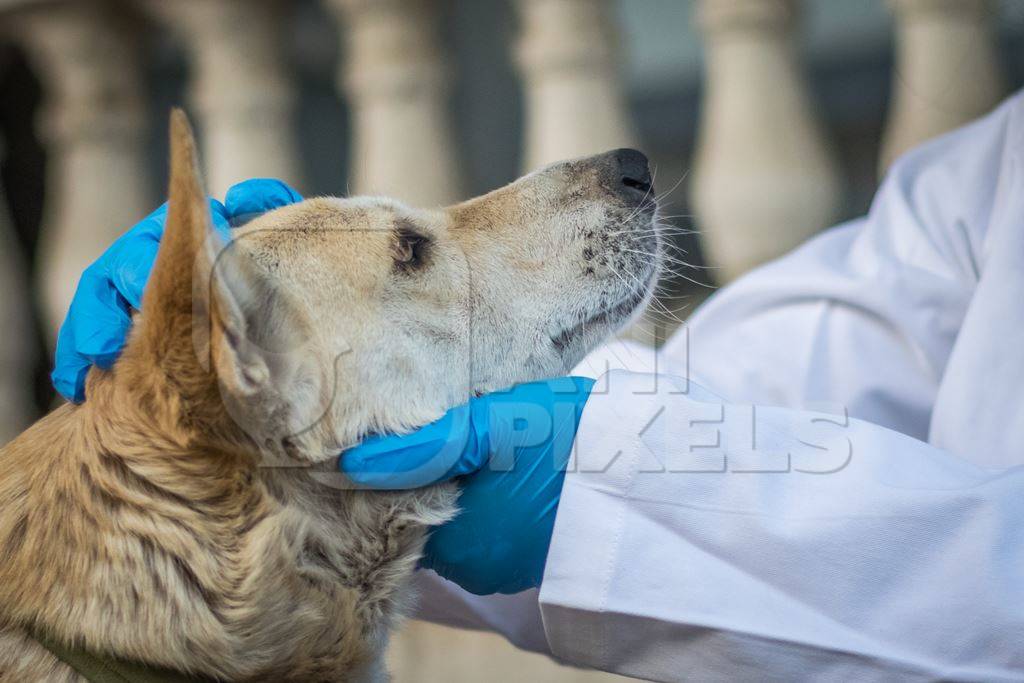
(634, 172)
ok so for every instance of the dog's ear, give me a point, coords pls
(208, 311)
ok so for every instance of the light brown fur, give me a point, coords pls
(178, 517)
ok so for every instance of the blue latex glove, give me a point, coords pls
(511, 448)
(98, 321)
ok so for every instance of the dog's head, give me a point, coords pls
(330, 318)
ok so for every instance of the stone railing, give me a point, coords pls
(764, 177)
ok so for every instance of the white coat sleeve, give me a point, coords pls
(704, 541)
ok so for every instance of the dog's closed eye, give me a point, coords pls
(410, 248)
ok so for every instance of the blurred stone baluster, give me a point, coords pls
(244, 97)
(94, 127)
(947, 70)
(568, 54)
(764, 178)
(396, 77)
(17, 357)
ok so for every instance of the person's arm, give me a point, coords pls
(866, 316)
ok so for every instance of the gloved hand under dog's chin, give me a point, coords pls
(509, 452)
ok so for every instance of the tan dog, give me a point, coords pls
(157, 522)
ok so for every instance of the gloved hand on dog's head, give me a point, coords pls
(97, 324)
(509, 448)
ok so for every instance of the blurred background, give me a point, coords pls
(767, 121)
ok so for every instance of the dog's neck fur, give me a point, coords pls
(129, 535)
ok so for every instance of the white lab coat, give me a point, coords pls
(866, 520)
